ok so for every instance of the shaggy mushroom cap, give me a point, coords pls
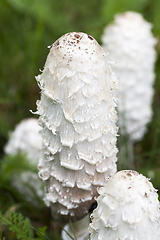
(130, 44)
(26, 139)
(128, 209)
(77, 113)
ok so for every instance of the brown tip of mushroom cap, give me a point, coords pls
(75, 47)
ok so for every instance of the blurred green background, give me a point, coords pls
(27, 27)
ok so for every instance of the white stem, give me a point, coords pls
(126, 153)
(78, 230)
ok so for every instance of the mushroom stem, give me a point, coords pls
(126, 153)
(78, 230)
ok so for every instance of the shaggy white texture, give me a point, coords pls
(77, 113)
(26, 139)
(130, 44)
(128, 209)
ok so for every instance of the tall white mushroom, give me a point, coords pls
(130, 44)
(128, 209)
(77, 113)
(26, 139)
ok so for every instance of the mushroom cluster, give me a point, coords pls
(78, 117)
(130, 44)
(128, 208)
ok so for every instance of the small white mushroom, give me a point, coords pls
(26, 139)
(130, 44)
(128, 209)
(77, 113)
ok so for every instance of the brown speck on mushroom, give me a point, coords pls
(90, 37)
(129, 174)
(77, 35)
(56, 43)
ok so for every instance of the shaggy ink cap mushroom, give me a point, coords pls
(77, 114)
(26, 139)
(128, 208)
(130, 44)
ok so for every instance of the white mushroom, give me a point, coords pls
(77, 113)
(128, 209)
(26, 139)
(130, 43)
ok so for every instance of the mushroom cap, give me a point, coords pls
(74, 51)
(130, 44)
(26, 139)
(77, 113)
(128, 208)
